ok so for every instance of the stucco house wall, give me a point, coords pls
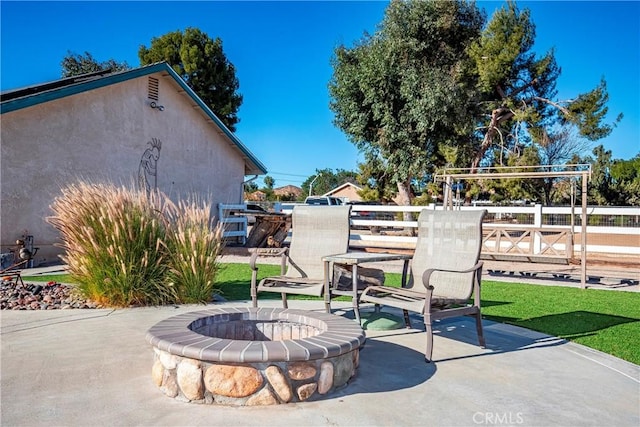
(107, 134)
(347, 191)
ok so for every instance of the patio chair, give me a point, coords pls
(317, 231)
(446, 259)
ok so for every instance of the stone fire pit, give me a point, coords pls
(253, 356)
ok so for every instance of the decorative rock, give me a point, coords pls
(157, 372)
(15, 296)
(302, 371)
(189, 377)
(325, 381)
(356, 359)
(343, 369)
(279, 383)
(169, 361)
(263, 397)
(246, 378)
(306, 390)
(232, 381)
(169, 384)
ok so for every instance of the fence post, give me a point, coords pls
(537, 223)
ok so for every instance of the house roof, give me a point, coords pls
(17, 99)
(340, 187)
(287, 189)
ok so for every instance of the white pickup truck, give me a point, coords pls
(323, 200)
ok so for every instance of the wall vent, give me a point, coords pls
(153, 88)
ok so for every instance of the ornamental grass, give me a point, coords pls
(193, 246)
(128, 247)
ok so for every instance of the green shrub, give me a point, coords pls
(127, 247)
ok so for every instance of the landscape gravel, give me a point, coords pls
(41, 296)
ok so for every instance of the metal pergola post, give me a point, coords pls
(583, 234)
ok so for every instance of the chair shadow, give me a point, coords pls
(564, 276)
(500, 336)
(386, 367)
(503, 334)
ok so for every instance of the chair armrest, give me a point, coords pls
(426, 276)
(255, 253)
(392, 290)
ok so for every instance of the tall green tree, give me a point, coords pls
(625, 175)
(201, 62)
(550, 154)
(518, 89)
(75, 64)
(269, 182)
(613, 182)
(375, 176)
(250, 187)
(600, 187)
(404, 90)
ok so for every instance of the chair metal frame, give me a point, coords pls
(317, 231)
(447, 261)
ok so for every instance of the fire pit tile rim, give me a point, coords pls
(193, 352)
(343, 344)
(213, 348)
(329, 349)
(296, 350)
(275, 351)
(340, 339)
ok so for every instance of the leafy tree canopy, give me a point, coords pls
(269, 182)
(518, 89)
(625, 175)
(201, 62)
(375, 176)
(75, 64)
(435, 86)
(250, 187)
(613, 182)
(402, 91)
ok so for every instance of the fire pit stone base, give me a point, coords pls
(291, 356)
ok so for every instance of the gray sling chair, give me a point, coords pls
(446, 259)
(317, 231)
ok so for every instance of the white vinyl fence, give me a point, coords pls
(534, 232)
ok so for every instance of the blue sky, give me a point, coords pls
(282, 50)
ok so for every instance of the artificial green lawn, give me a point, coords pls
(605, 320)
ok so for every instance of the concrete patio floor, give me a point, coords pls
(93, 367)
